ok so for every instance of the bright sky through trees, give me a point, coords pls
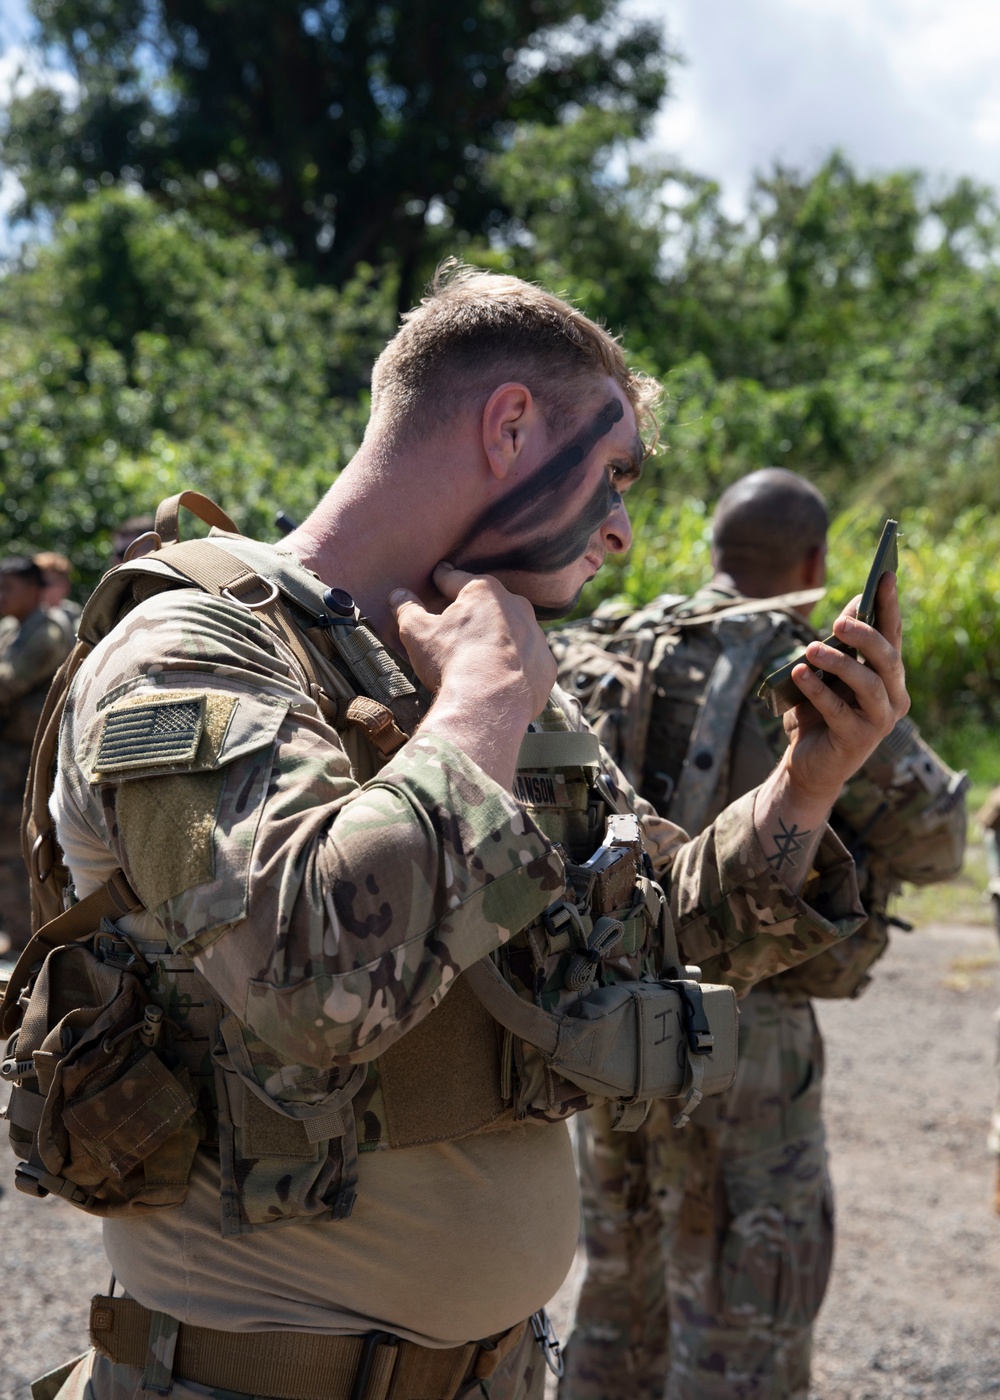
(895, 83)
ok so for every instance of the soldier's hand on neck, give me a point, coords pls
(486, 660)
(831, 734)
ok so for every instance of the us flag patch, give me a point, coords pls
(161, 733)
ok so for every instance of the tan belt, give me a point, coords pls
(288, 1365)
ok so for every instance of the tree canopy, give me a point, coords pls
(143, 353)
(343, 132)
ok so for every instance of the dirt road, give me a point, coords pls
(913, 1307)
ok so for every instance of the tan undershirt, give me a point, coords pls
(446, 1244)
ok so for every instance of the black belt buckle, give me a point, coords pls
(362, 1375)
(700, 1039)
(545, 1336)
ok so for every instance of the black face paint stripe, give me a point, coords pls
(549, 553)
(551, 612)
(522, 506)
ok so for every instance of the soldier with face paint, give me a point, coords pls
(328, 897)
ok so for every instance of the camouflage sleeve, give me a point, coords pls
(738, 920)
(330, 917)
(733, 916)
(33, 657)
(908, 806)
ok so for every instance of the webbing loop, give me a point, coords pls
(167, 524)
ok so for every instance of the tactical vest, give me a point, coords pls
(123, 1064)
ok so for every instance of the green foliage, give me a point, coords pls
(144, 353)
(346, 133)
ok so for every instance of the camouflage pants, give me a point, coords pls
(714, 1298)
(93, 1377)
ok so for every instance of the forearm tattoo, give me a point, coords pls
(788, 843)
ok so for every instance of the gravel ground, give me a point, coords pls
(913, 1305)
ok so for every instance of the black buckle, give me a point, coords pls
(545, 1336)
(700, 1039)
(26, 1180)
(362, 1375)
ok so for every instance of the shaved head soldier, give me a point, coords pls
(769, 533)
(709, 1248)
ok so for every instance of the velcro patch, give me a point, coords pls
(161, 733)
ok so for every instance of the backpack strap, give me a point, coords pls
(216, 571)
(787, 603)
(212, 566)
(728, 685)
(47, 873)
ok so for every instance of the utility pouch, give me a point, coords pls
(629, 1042)
(101, 1112)
(293, 1158)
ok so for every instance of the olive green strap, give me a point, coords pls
(710, 739)
(524, 1019)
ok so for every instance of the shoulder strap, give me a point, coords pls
(256, 578)
(728, 685)
(47, 873)
(786, 603)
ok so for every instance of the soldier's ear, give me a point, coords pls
(814, 567)
(511, 418)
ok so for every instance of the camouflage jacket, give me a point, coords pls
(696, 750)
(328, 900)
(30, 654)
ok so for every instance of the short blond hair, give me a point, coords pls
(475, 330)
(52, 563)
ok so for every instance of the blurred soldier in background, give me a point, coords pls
(33, 643)
(127, 533)
(709, 1249)
(57, 574)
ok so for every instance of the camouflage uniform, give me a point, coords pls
(717, 1298)
(329, 899)
(30, 654)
